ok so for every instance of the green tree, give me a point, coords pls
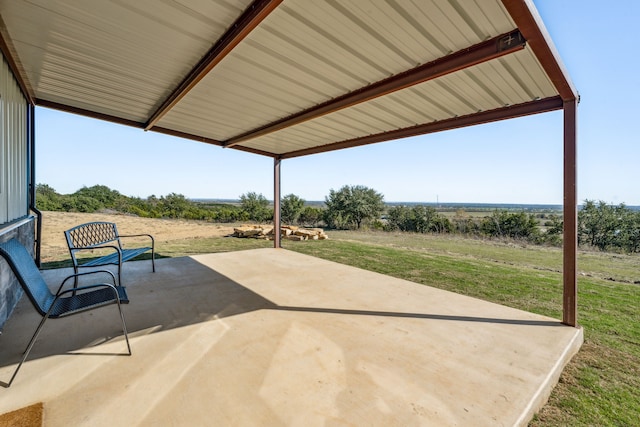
(630, 233)
(609, 227)
(80, 203)
(291, 208)
(420, 219)
(351, 206)
(554, 227)
(516, 225)
(47, 199)
(464, 223)
(598, 224)
(174, 205)
(256, 207)
(107, 197)
(310, 216)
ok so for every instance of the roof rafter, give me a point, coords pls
(212, 141)
(509, 112)
(479, 53)
(247, 22)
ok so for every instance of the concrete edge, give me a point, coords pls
(541, 396)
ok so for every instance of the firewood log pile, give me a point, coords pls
(289, 232)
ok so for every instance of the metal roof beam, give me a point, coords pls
(247, 22)
(529, 22)
(212, 141)
(88, 113)
(133, 123)
(528, 108)
(481, 52)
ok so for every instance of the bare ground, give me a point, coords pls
(54, 246)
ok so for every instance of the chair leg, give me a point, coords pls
(124, 326)
(28, 349)
(75, 279)
(153, 260)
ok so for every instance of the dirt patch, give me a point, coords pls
(31, 416)
(55, 223)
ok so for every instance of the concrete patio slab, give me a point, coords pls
(270, 337)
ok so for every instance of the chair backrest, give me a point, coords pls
(27, 273)
(92, 234)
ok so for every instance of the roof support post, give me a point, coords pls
(570, 237)
(276, 203)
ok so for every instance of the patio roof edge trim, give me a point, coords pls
(247, 22)
(88, 113)
(509, 112)
(139, 125)
(9, 52)
(481, 52)
(529, 22)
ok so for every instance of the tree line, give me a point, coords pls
(601, 226)
(252, 206)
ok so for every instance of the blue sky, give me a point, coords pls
(514, 161)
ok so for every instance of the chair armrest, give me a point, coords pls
(139, 235)
(84, 288)
(113, 278)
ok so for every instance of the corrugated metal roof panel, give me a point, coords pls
(124, 58)
(308, 52)
(134, 51)
(486, 86)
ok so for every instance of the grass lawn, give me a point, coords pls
(599, 387)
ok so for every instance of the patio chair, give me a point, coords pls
(60, 304)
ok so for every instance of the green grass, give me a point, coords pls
(599, 387)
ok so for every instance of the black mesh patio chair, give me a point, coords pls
(62, 303)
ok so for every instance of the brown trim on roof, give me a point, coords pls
(247, 22)
(528, 108)
(481, 52)
(88, 113)
(212, 141)
(9, 52)
(526, 17)
(186, 135)
(133, 123)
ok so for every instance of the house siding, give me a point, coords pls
(15, 221)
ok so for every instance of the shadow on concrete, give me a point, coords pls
(182, 292)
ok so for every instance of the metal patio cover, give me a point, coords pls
(285, 78)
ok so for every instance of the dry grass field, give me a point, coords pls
(54, 246)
